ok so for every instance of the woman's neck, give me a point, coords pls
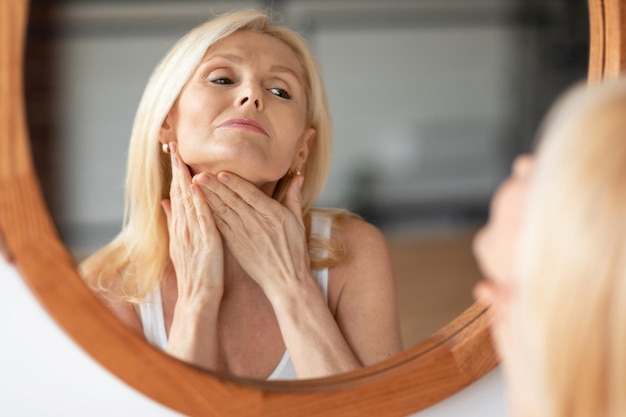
(234, 275)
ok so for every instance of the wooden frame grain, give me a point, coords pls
(449, 360)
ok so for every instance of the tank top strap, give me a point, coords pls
(152, 318)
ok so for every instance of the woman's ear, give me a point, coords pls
(167, 133)
(304, 146)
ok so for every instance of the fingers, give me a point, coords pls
(203, 213)
(248, 192)
(180, 193)
(234, 190)
(229, 194)
(223, 201)
(223, 214)
(237, 205)
(186, 207)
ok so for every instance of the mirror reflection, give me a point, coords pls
(429, 105)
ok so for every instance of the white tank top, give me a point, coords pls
(153, 322)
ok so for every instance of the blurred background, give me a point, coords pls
(431, 101)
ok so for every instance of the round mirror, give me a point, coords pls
(429, 110)
(448, 360)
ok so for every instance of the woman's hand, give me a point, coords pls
(266, 238)
(195, 243)
(268, 241)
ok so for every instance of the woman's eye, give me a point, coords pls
(280, 93)
(222, 80)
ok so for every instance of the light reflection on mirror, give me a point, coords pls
(430, 103)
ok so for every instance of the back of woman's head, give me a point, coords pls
(572, 264)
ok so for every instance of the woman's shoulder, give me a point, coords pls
(366, 264)
(357, 236)
(360, 237)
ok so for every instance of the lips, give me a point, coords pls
(245, 124)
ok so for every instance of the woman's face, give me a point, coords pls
(495, 249)
(243, 111)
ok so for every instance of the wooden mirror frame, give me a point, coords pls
(452, 358)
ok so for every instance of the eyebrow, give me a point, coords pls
(229, 57)
(284, 69)
(239, 60)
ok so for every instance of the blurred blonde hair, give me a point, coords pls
(139, 254)
(571, 308)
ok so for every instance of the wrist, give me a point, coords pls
(296, 297)
(196, 307)
(199, 294)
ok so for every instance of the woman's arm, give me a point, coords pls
(365, 328)
(365, 293)
(198, 260)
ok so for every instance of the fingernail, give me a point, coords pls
(223, 177)
(173, 147)
(202, 179)
(300, 181)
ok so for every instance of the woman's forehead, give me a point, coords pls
(245, 45)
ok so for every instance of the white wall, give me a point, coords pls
(420, 108)
(43, 373)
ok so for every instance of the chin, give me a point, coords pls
(239, 163)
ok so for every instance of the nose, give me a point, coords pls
(245, 100)
(251, 96)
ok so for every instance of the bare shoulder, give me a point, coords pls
(360, 239)
(366, 265)
(362, 291)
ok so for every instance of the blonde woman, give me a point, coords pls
(554, 255)
(221, 261)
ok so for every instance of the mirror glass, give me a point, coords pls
(430, 103)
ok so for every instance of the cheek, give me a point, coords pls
(195, 110)
(291, 132)
(508, 212)
(510, 200)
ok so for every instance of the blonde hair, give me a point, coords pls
(139, 254)
(572, 261)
